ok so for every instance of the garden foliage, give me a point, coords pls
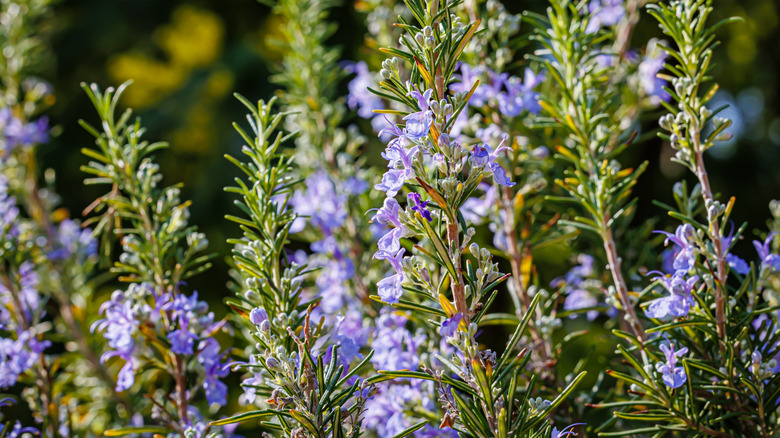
(386, 242)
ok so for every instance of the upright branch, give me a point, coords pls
(427, 160)
(312, 390)
(584, 110)
(729, 347)
(684, 22)
(160, 250)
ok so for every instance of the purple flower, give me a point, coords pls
(485, 156)
(182, 340)
(349, 342)
(684, 259)
(578, 295)
(577, 274)
(258, 316)
(119, 325)
(389, 215)
(359, 96)
(26, 280)
(500, 238)
(400, 163)
(604, 13)
(519, 96)
(768, 323)
(254, 380)
(126, 376)
(356, 186)
(667, 260)
(72, 240)
(189, 308)
(491, 134)
(389, 289)
(320, 202)
(673, 376)
(17, 133)
(767, 259)
(18, 430)
(385, 411)
(423, 99)
(577, 299)
(395, 348)
(484, 91)
(393, 134)
(399, 157)
(450, 326)
(566, 431)
(420, 206)
(476, 209)
(679, 301)
(418, 124)
(737, 264)
(499, 176)
(17, 356)
(648, 70)
(392, 182)
(327, 246)
(210, 357)
(334, 275)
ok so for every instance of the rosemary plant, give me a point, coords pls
(448, 276)
(46, 258)
(713, 328)
(307, 381)
(152, 325)
(595, 180)
(368, 300)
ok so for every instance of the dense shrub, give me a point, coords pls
(407, 294)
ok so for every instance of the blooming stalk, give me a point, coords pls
(160, 251)
(426, 158)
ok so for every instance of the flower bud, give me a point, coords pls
(677, 189)
(258, 315)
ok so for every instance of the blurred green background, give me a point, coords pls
(186, 60)
(188, 57)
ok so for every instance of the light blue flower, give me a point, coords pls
(673, 376)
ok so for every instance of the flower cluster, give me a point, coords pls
(604, 13)
(20, 311)
(582, 288)
(508, 93)
(396, 349)
(680, 282)
(184, 321)
(17, 133)
(361, 98)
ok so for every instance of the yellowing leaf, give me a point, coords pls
(447, 306)
(525, 269)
